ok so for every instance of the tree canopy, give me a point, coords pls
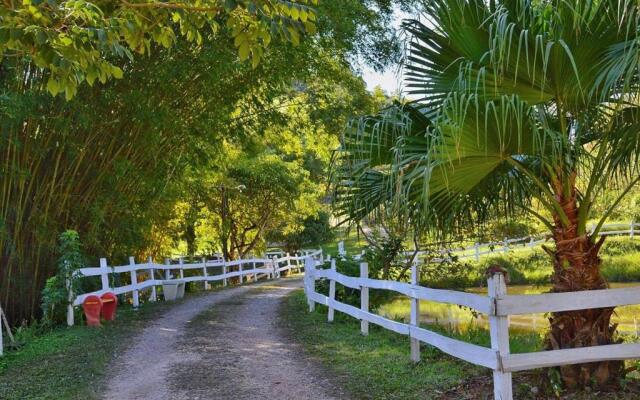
(124, 163)
(79, 40)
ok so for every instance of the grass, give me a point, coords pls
(376, 366)
(620, 263)
(69, 362)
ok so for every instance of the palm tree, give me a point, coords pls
(523, 106)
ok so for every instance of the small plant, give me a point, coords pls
(55, 295)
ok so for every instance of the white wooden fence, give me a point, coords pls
(206, 271)
(482, 249)
(497, 305)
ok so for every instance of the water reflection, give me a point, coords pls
(458, 318)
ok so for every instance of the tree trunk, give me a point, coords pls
(577, 267)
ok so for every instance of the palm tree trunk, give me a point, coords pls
(577, 267)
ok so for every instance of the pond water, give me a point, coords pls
(458, 318)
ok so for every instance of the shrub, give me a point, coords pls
(55, 293)
(316, 230)
(351, 296)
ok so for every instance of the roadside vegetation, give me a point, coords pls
(378, 366)
(69, 363)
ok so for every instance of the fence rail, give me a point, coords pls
(258, 268)
(482, 249)
(497, 305)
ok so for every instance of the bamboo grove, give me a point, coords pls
(119, 160)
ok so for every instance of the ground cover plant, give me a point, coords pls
(69, 363)
(378, 366)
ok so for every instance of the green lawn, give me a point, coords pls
(69, 363)
(372, 367)
(378, 366)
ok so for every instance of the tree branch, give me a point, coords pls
(173, 6)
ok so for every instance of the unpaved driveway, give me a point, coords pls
(224, 345)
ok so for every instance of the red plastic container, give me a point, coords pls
(109, 306)
(92, 306)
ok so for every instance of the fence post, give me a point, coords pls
(255, 275)
(332, 292)
(310, 282)
(632, 230)
(289, 263)
(364, 298)
(104, 274)
(415, 315)
(241, 270)
(70, 316)
(167, 272)
(181, 270)
(224, 272)
(476, 246)
(505, 245)
(152, 276)
(206, 274)
(499, 331)
(274, 267)
(134, 282)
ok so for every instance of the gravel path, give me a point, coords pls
(224, 345)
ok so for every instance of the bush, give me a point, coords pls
(55, 294)
(316, 231)
(351, 296)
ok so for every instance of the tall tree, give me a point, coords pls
(523, 107)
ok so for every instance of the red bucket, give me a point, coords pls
(109, 306)
(92, 306)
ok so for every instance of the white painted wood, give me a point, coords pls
(70, 314)
(167, 271)
(275, 267)
(255, 276)
(181, 263)
(134, 282)
(364, 298)
(480, 303)
(499, 331)
(469, 352)
(355, 312)
(332, 292)
(553, 302)
(224, 272)
(465, 351)
(544, 359)
(310, 281)
(152, 278)
(104, 274)
(632, 229)
(415, 315)
(288, 262)
(205, 274)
